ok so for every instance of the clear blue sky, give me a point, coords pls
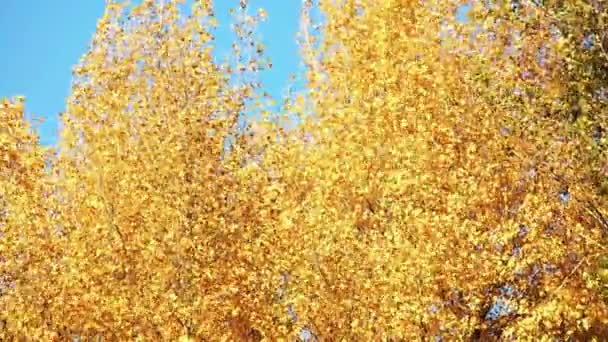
(40, 41)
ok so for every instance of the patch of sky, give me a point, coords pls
(502, 305)
(306, 334)
(462, 13)
(564, 196)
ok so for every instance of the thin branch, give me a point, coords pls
(310, 58)
(568, 276)
(593, 241)
(602, 49)
(598, 215)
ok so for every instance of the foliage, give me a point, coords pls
(447, 180)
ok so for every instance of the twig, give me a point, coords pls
(597, 215)
(593, 241)
(601, 44)
(568, 276)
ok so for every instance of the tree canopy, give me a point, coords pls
(446, 179)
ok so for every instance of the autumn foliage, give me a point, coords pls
(446, 178)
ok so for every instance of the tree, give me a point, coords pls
(26, 233)
(437, 187)
(436, 200)
(158, 237)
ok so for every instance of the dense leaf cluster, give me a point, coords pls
(446, 179)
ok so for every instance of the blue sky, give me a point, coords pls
(40, 41)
